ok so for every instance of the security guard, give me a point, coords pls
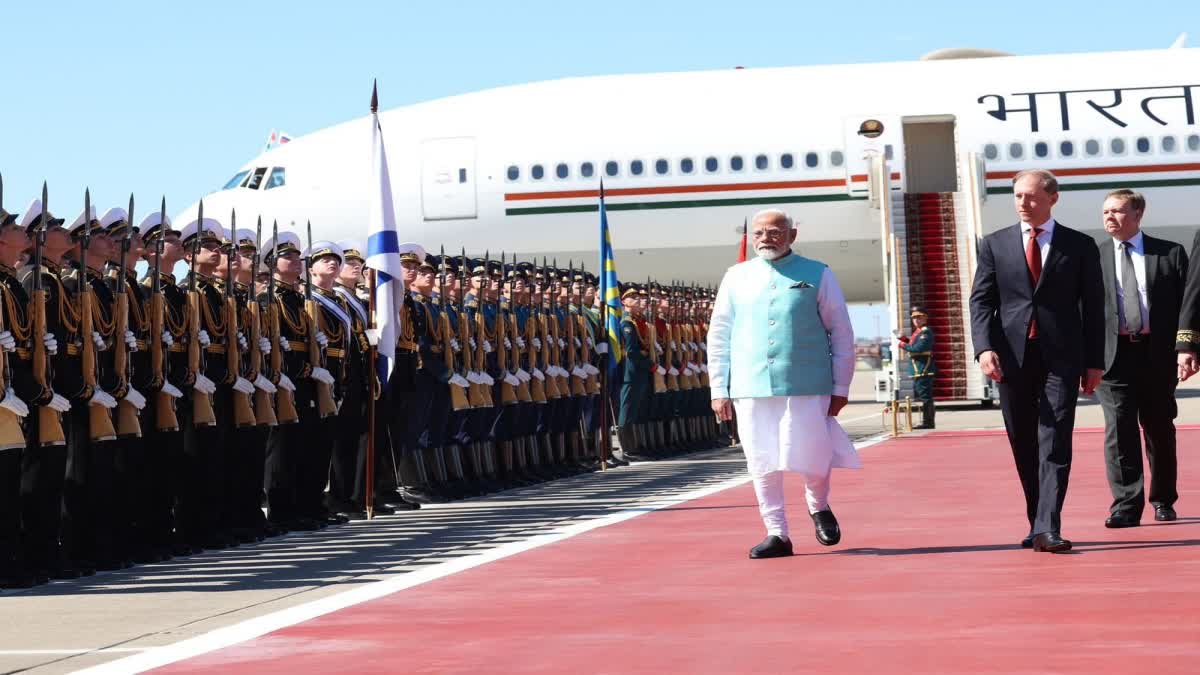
(920, 352)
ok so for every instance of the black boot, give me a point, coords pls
(927, 414)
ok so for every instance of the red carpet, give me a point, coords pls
(929, 578)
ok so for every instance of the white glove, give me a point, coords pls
(243, 385)
(97, 340)
(131, 342)
(486, 379)
(539, 375)
(578, 344)
(472, 341)
(459, 381)
(537, 343)
(11, 402)
(523, 375)
(7, 343)
(520, 342)
(507, 343)
(591, 370)
(660, 370)
(672, 371)
(562, 344)
(579, 372)
(264, 345)
(703, 368)
(512, 379)
(59, 403)
(242, 344)
(135, 398)
(51, 344)
(673, 347)
(285, 383)
(454, 345)
(372, 336)
(322, 338)
(322, 375)
(602, 347)
(287, 347)
(703, 345)
(264, 384)
(101, 398)
(204, 385)
(202, 336)
(171, 390)
(472, 377)
(167, 339)
(487, 347)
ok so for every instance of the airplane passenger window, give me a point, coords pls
(537, 172)
(836, 158)
(514, 172)
(562, 171)
(1016, 151)
(686, 165)
(1142, 144)
(760, 162)
(611, 168)
(1041, 149)
(636, 167)
(1092, 147)
(1066, 148)
(1117, 146)
(587, 170)
(787, 161)
(1168, 144)
(1193, 142)
(661, 166)
(990, 151)
(711, 165)
(236, 180)
(811, 160)
(277, 178)
(256, 179)
(735, 163)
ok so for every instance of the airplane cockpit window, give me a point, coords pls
(537, 172)
(661, 167)
(636, 167)
(711, 165)
(761, 163)
(1168, 144)
(514, 172)
(236, 180)
(686, 165)
(1142, 144)
(256, 179)
(1092, 147)
(735, 163)
(611, 168)
(1041, 149)
(786, 160)
(1066, 149)
(836, 158)
(1117, 146)
(1193, 143)
(990, 151)
(278, 178)
(811, 160)
(562, 171)
(587, 170)
(1016, 151)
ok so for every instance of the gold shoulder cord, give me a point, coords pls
(15, 321)
(215, 325)
(298, 326)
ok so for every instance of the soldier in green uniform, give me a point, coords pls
(635, 382)
(920, 352)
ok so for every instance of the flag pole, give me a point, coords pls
(373, 373)
(605, 431)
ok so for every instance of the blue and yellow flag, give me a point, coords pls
(610, 289)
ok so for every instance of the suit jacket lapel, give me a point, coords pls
(1151, 254)
(1018, 247)
(1051, 258)
(1108, 268)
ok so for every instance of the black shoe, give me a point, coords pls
(353, 515)
(18, 580)
(1122, 519)
(772, 547)
(828, 532)
(415, 494)
(382, 510)
(398, 504)
(303, 525)
(1027, 542)
(336, 518)
(1051, 542)
(1164, 513)
(182, 549)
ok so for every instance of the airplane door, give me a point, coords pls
(448, 178)
(867, 137)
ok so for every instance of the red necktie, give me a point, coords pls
(1033, 258)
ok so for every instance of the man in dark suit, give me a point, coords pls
(1187, 339)
(1037, 320)
(1143, 280)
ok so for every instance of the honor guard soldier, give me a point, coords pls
(405, 412)
(433, 380)
(920, 353)
(57, 368)
(635, 382)
(481, 322)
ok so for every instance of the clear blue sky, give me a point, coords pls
(169, 98)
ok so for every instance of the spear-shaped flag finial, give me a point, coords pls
(374, 96)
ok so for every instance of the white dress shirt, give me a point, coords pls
(1043, 238)
(1137, 253)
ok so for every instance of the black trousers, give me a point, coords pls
(161, 476)
(347, 446)
(43, 471)
(286, 445)
(11, 554)
(1039, 415)
(1134, 391)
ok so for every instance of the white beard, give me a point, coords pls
(768, 254)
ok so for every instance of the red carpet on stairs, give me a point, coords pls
(933, 265)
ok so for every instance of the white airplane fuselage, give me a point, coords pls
(450, 159)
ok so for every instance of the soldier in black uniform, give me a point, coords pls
(403, 409)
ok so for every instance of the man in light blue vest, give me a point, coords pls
(781, 351)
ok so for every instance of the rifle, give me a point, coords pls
(164, 403)
(524, 394)
(243, 413)
(475, 394)
(128, 425)
(578, 387)
(485, 390)
(264, 406)
(508, 393)
(672, 351)
(553, 390)
(660, 383)
(100, 425)
(50, 431)
(458, 397)
(285, 401)
(11, 435)
(556, 328)
(689, 381)
(593, 380)
(202, 410)
(537, 387)
(316, 358)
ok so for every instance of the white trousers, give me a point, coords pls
(772, 506)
